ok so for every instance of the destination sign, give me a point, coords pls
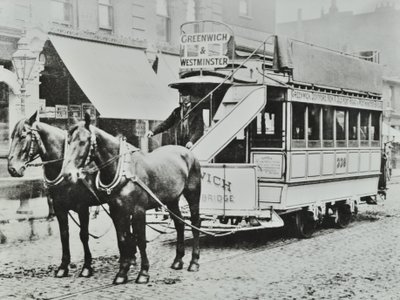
(200, 38)
(204, 62)
(204, 50)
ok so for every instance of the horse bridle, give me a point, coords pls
(92, 149)
(35, 140)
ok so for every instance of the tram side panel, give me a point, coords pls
(229, 190)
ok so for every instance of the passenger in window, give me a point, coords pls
(188, 128)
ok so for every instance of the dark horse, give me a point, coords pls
(168, 172)
(31, 138)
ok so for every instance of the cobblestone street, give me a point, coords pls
(359, 262)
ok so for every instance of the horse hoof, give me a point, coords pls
(61, 273)
(177, 265)
(86, 272)
(120, 279)
(194, 267)
(142, 278)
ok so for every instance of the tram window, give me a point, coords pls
(298, 124)
(375, 129)
(314, 139)
(267, 128)
(340, 123)
(266, 123)
(353, 128)
(327, 125)
(364, 128)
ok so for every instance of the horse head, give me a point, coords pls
(82, 142)
(25, 146)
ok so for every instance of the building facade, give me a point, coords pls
(142, 35)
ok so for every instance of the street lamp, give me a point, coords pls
(23, 60)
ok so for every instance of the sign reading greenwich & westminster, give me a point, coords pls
(204, 50)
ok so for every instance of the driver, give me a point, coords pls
(188, 130)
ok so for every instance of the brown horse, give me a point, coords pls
(169, 172)
(30, 139)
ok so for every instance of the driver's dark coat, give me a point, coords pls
(188, 130)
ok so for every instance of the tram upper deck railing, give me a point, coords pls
(210, 45)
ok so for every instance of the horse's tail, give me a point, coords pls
(193, 184)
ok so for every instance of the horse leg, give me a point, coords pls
(62, 217)
(50, 204)
(122, 225)
(193, 198)
(87, 270)
(139, 225)
(134, 250)
(180, 239)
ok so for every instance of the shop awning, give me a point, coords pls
(119, 81)
(390, 134)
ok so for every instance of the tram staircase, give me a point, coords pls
(240, 106)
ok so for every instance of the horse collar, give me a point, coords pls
(124, 149)
(60, 177)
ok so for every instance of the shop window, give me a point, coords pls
(4, 120)
(105, 14)
(340, 123)
(61, 11)
(313, 130)
(375, 129)
(364, 128)
(163, 21)
(267, 128)
(327, 126)
(244, 8)
(298, 125)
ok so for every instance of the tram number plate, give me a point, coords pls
(341, 163)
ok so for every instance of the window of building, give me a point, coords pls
(244, 8)
(327, 126)
(61, 11)
(105, 14)
(313, 131)
(191, 11)
(340, 123)
(163, 21)
(375, 128)
(138, 19)
(298, 125)
(364, 128)
(353, 128)
(4, 120)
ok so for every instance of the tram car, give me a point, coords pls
(293, 131)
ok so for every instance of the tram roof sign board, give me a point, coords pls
(204, 50)
(205, 37)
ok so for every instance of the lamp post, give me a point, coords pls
(23, 60)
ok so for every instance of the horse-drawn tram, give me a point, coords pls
(292, 129)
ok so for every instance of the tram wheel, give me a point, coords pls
(304, 224)
(344, 216)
